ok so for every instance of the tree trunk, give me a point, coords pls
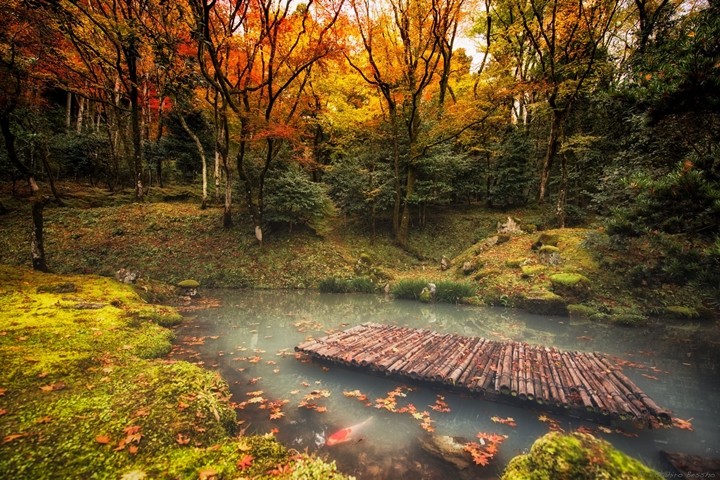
(46, 164)
(404, 230)
(131, 56)
(68, 110)
(562, 194)
(203, 158)
(552, 148)
(12, 153)
(81, 114)
(37, 244)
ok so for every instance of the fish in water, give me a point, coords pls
(347, 434)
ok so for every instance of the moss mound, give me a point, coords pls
(84, 394)
(577, 456)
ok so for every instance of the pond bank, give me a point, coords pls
(86, 391)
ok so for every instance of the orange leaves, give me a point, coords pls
(3, 412)
(552, 423)
(102, 439)
(484, 451)
(2, 391)
(308, 400)
(182, 439)
(682, 424)
(440, 405)
(509, 421)
(13, 437)
(389, 403)
(359, 395)
(245, 462)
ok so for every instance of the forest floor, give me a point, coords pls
(580, 271)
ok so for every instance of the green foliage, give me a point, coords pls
(291, 197)
(343, 285)
(360, 186)
(408, 288)
(453, 292)
(576, 456)
(510, 178)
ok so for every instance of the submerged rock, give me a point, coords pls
(449, 449)
(577, 456)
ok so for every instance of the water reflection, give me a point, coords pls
(249, 340)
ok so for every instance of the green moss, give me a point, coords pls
(568, 279)
(549, 249)
(681, 313)
(547, 238)
(577, 456)
(514, 263)
(544, 302)
(86, 399)
(579, 310)
(529, 271)
(188, 284)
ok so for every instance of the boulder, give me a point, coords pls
(510, 227)
(125, 275)
(544, 303)
(444, 263)
(447, 448)
(468, 268)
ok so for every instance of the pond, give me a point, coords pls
(249, 339)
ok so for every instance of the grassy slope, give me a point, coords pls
(84, 392)
(173, 241)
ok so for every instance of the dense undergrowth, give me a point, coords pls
(85, 392)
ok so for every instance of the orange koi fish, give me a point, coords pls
(347, 434)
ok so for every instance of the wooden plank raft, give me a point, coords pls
(583, 383)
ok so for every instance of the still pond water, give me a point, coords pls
(249, 340)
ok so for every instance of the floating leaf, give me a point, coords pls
(682, 424)
(509, 421)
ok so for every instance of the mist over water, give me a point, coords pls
(249, 340)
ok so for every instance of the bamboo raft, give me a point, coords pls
(583, 384)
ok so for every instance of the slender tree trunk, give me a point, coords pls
(81, 114)
(131, 56)
(37, 242)
(562, 194)
(404, 230)
(68, 110)
(203, 158)
(46, 165)
(551, 152)
(161, 126)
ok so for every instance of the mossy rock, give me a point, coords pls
(580, 310)
(577, 456)
(549, 249)
(572, 286)
(550, 239)
(503, 238)
(189, 284)
(544, 303)
(678, 312)
(627, 319)
(529, 271)
(514, 263)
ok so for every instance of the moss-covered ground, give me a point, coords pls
(85, 392)
(169, 238)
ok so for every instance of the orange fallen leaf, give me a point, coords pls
(143, 412)
(3, 412)
(682, 424)
(245, 462)
(182, 439)
(133, 449)
(14, 436)
(102, 439)
(45, 419)
(2, 391)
